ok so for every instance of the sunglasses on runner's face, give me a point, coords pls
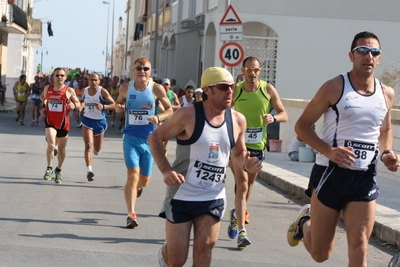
(256, 70)
(139, 68)
(363, 50)
(60, 75)
(222, 86)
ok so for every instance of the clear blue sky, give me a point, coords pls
(80, 31)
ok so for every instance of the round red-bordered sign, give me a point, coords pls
(231, 54)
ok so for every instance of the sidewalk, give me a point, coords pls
(292, 178)
(9, 105)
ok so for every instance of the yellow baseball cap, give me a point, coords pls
(216, 75)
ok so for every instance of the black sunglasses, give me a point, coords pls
(363, 50)
(139, 68)
(59, 75)
(222, 86)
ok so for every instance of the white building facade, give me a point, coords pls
(19, 35)
(300, 44)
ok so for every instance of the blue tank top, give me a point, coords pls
(139, 107)
(36, 89)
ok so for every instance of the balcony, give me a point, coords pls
(34, 30)
(188, 18)
(199, 14)
(13, 20)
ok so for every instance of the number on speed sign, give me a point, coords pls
(231, 54)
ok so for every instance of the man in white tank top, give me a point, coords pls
(357, 128)
(96, 101)
(207, 134)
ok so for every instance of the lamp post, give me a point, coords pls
(112, 41)
(41, 57)
(107, 54)
(108, 23)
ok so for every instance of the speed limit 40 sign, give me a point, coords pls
(231, 54)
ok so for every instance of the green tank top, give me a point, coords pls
(22, 92)
(113, 93)
(170, 95)
(253, 105)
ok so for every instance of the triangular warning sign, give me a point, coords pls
(230, 17)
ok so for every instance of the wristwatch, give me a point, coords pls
(104, 107)
(274, 116)
(159, 119)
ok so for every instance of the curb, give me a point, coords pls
(383, 232)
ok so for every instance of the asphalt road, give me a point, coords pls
(78, 223)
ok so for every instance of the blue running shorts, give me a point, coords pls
(335, 186)
(37, 101)
(97, 126)
(137, 154)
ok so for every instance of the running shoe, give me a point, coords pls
(394, 262)
(79, 125)
(90, 176)
(95, 152)
(247, 217)
(112, 124)
(36, 123)
(22, 123)
(139, 191)
(243, 241)
(33, 123)
(131, 222)
(17, 118)
(47, 174)
(58, 178)
(161, 260)
(233, 225)
(295, 233)
(55, 151)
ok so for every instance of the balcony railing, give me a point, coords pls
(34, 29)
(167, 16)
(13, 18)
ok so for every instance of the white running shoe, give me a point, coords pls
(161, 260)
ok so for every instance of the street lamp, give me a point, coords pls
(112, 40)
(41, 57)
(108, 23)
(107, 54)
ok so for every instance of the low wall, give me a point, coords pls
(295, 107)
